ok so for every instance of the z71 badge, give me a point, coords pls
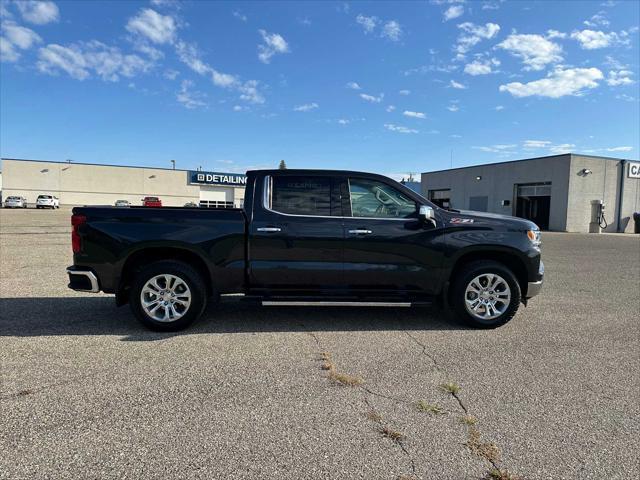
(461, 220)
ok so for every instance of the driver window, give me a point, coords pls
(370, 198)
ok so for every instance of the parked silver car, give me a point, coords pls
(15, 202)
(47, 201)
(122, 203)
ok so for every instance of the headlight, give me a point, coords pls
(534, 236)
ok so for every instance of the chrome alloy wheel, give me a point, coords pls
(165, 298)
(487, 296)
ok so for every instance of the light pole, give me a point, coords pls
(173, 162)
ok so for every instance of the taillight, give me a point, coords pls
(76, 221)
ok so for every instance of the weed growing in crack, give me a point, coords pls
(450, 387)
(345, 379)
(374, 416)
(433, 409)
(327, 365)
(497, 474)
(487, 450)
(392, 434)
(469, 420)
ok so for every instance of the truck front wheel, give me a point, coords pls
(486, 294)
(167, 296)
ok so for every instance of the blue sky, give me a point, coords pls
(386, 87)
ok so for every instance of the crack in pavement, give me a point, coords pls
(397, 440)
(487, 450)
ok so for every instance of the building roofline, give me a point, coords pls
(527, 160)
(109, 165)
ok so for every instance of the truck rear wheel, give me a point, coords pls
(167, 296)
(486, 294)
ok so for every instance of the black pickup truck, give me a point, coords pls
(308, 237)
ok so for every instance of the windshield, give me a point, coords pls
(44, 196)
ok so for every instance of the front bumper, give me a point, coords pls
(83, 280)
(534, 288)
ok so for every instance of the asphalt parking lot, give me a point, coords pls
(85, 392)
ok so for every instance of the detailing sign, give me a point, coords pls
(634, 170)
(217, 178)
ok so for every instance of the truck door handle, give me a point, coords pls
(269, 229)
(360, 231)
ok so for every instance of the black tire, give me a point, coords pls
(184, 272)
(464, 278)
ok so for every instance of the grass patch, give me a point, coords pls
(392, 434)
(327, 365)
(450, 387)
(487, 450)
(469, 420)
(433, 409)
(345, 379)
(495, 474)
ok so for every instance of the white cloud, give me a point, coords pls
(79, 61)
(591, 39)
(559, 82)
(405, 92)
(392, 30)
(368, 23)
(535, 51)
(188, 98)
(38, 12)
(223, 80)
(532, 144)
(474, 34)
(240, 16)
(409, 113)
(551, 34)
(274, 43)
(307, 107)
(399, 128)
(599, 19)
(7, 51)
(153, 26)
(240, 108)
(619, 149)
(496, 148)
(371, 98)
(15, 37)
(453, 108)
(354, 86)
(390, 108)
(562, 148)
(343, 121)
(454, 11)
(499, 108)
(189, 55)
(459, 86)
(620, 77)
(481, 67)
(490, 6)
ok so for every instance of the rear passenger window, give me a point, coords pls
(301, 195)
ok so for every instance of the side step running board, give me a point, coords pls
(294, 303)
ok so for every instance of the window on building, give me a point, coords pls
(370, 198)
(215, 204)
(442, 198)
(301, 195)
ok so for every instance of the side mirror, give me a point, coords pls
(426, 214)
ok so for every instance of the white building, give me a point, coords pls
(91, 184)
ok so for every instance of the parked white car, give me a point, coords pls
(47, 201)
(15, 202)
(122, 203)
